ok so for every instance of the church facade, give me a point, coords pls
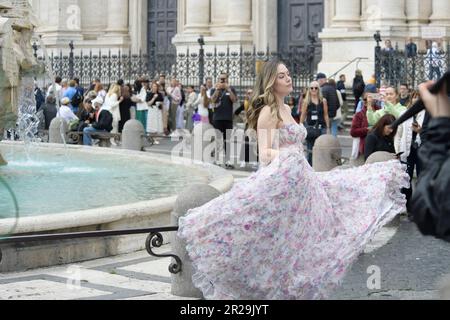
(341, 30)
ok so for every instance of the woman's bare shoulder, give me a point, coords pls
(266, 118)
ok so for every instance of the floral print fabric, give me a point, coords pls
(287, 232)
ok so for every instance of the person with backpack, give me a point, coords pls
(74, 96)
(358, 87)
(329, 93)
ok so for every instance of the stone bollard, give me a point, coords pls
(133, 136)
(3, 162)
(203, 143)
(444, 288)
(133, 113)
(327, 153)
(58, 129)
(191, 198)
(380, 157)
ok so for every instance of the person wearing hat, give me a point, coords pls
(104, 122)
(66, 112)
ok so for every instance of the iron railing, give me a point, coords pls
(191, 67)
(154, 240)
(397, 67)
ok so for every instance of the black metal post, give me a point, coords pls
(71, 60)
(201, 60)
(377, 38)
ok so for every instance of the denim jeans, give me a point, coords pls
(334, 127)
(87, 139)
(310, 146)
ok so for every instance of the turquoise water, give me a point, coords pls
(58, 183)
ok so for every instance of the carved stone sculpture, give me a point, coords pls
(16, 57)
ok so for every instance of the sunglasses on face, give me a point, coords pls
(314, 88)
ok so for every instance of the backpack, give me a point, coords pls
(77, 99)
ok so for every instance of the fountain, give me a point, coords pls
(61, 188)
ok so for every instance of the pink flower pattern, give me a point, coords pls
(287, 232)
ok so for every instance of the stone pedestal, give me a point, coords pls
(191, 198)
(203, 143)
(57, 132)
(444, 288)
(2, 161)
(327, 153)
(133, 136)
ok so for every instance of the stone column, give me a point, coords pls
(348, 14)
(392, 13)
(239, 15)
(138, 13)
(418, 14)
(383, 15)
(267, 27)
(441, 11)
(117, 16)
(197, 17)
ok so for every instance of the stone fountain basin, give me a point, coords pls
(147, 214)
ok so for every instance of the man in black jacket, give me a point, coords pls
(329, 92)
(104, 120)
(431, 201)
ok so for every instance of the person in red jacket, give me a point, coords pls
(360, 126)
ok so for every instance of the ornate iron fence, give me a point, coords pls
(191, 67)
(397, 67)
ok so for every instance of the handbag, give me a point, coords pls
(313, 133)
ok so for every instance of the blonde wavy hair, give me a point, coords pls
(115, 88)
(263, 94)
(308, 99)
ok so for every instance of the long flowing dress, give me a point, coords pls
(287, 232)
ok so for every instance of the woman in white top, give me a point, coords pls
(155, 112)
(112, 102)
(141, 103)
(101, 92)
(203, 102)
(191, 105)
(65, 112)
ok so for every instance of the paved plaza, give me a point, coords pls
(410, 268)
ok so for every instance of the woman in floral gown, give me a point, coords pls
(287, 232)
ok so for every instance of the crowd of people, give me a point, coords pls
(372, 127)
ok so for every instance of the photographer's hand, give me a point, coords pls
(438, 105)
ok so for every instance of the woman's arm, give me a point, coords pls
(267, 127)
(304, 113)
(326, 116)
(374, 116)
